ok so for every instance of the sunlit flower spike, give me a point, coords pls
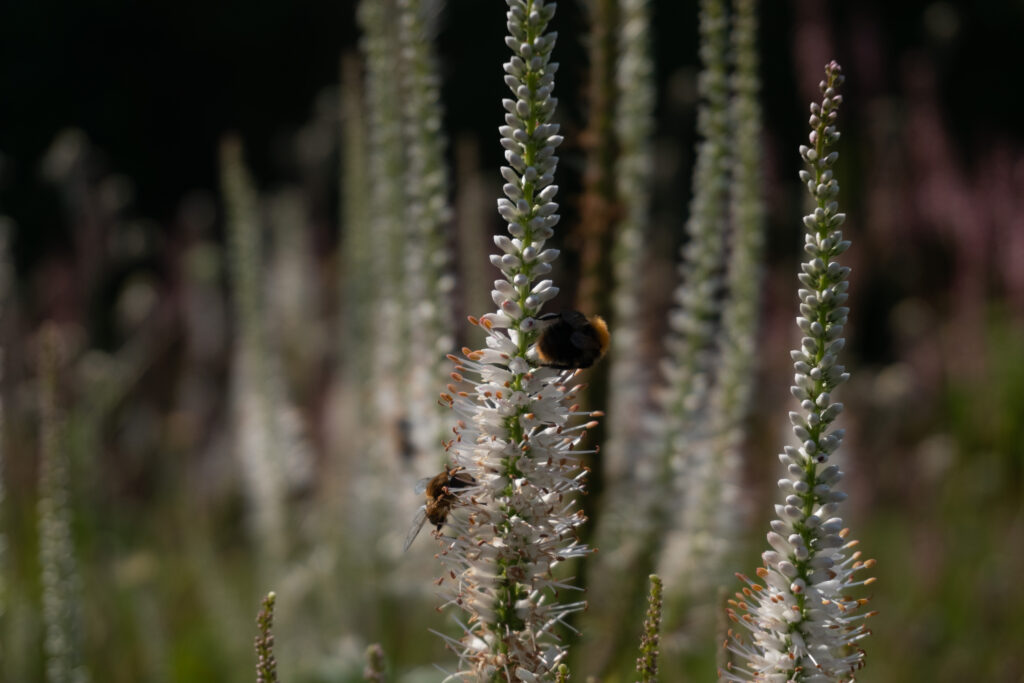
(803, 623)
(518, 426)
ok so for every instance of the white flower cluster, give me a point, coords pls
(803, 623)
(515, 435)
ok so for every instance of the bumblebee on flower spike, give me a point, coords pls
(518, 430)
(571, 340)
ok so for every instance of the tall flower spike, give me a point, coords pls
(388, 197)
(428, 280)
(684, 438)
(630, 467)
(61, 582)
(803, 624)
(629, 371)
(378, 464)
(514, 436)
(714, 505)
(252, 397)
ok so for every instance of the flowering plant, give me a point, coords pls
(803, 624)
(514, 434)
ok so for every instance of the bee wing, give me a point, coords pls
(461, 481)
(421, 485)
(418, 520)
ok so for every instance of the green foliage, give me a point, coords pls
(947, 577)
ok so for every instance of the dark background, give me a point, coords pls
(155, 84)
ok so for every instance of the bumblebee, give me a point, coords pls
(571, 340)
(440, 499)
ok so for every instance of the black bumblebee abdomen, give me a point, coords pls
(571, 341)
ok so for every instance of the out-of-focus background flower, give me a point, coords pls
(114, 231)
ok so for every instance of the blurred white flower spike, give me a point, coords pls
(518, 427)
(803, 623)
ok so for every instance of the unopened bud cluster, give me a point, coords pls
(266, 663)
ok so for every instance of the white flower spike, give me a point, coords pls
(518, 426)
(803, 624)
